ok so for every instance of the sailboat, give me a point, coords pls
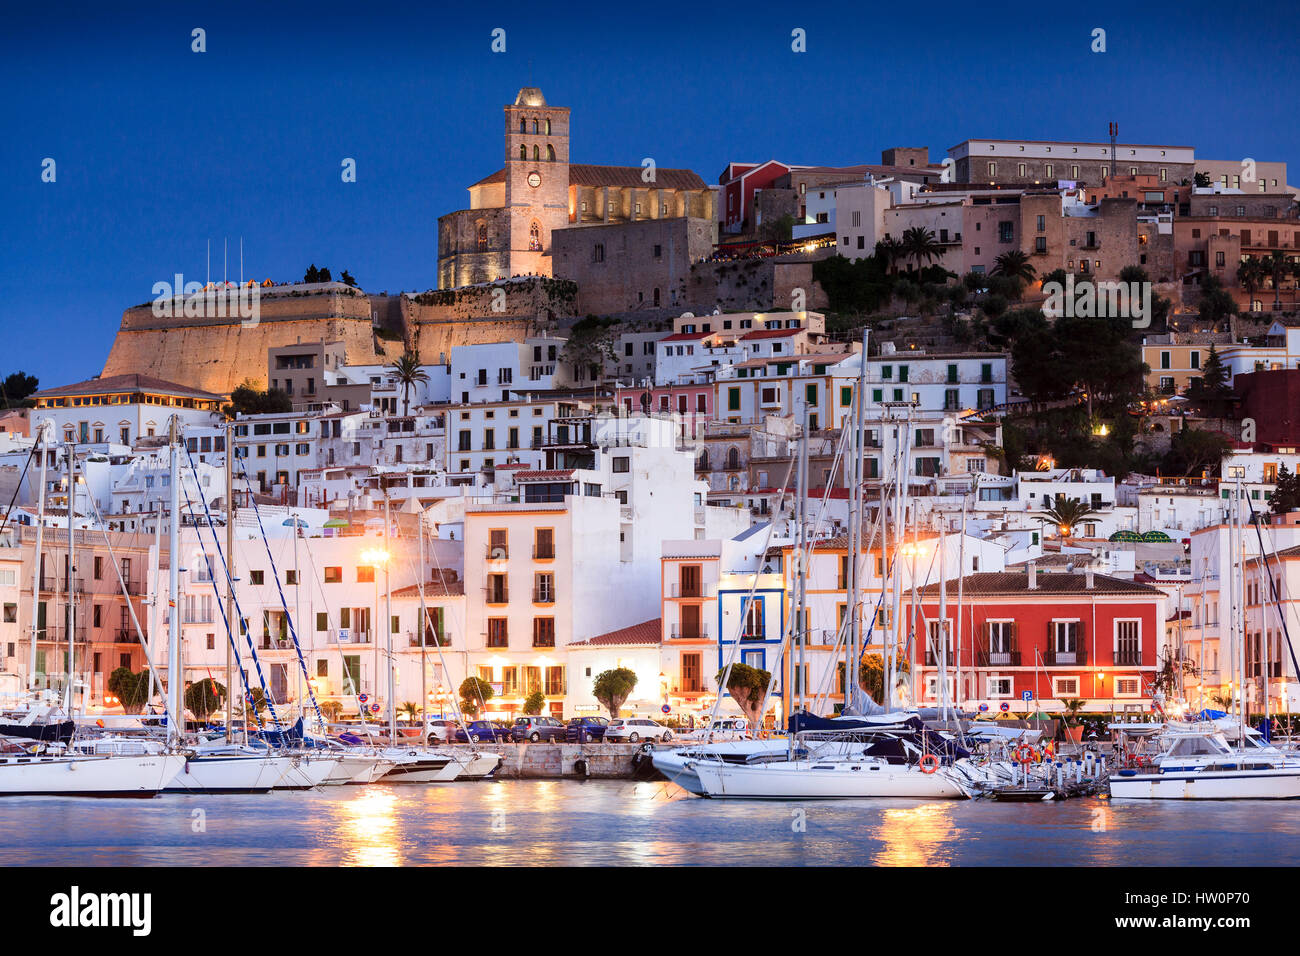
(35, 768)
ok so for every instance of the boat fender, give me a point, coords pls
(929, 763)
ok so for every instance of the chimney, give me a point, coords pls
(1033, 576)
(1087, 578)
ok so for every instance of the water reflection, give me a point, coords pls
(915, 836)
(369, 825)
(604, 822)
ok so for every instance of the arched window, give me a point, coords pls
(656, 296)
(537, 153)
(550, 153)
(548, 127)
(523, 151)
(535, 237)
(702, 464)
(534, 127)
(523, 128)
(482, 237)
(733, 458)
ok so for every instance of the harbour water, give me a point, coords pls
(562, 822)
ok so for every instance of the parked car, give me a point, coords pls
(534, 729)
(635, 729)
(581, 730)
(493, 730)
(439, 731)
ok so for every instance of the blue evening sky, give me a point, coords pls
(160, 149)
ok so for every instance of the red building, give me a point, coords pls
(691, 404)
(1057, 636)
(739, 182)
(1272, 398)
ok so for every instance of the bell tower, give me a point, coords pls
(537, 179)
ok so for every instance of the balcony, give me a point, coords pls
(59, 635)
(1128, 657)
(1055, 658)
(496, 595)
(544, 642)
(987, 658)
(349, 635)
(679, 590)
(932, 659)
(758, 634)
(431, 640)
(52, 583)
(679, 632)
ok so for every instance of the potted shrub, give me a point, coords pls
(1073, 725)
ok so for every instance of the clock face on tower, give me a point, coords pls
(534, 180)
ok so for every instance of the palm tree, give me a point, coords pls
(919, 243)
(1250, 274)
(407, 371)
(410, 710)
(889, 250)
(1014, 264)
(1277, 265)
(1065, 513)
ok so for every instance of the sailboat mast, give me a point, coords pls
(943, 621)
(856, 497)
(961, 579)
(423, 629)
(1241, 603)
(72, 580)
(175, 681)
(43, 444)
(802, 564)
(230, 580)
(388, 620)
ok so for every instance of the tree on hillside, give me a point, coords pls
(613, 687)
(317, 275)
(592, 342)
(1066, 513)
(1211, 393)
(1195, 450)
(1215, 303)
(248, 399)
(919, 243)
(15, 389)
(1286, 495)
(1015, 264)
(348, 280)
(407, 371)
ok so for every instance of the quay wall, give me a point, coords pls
(532, 761)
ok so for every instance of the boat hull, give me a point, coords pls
(306, 771)
(1281, 783)
(476, 766)
(803, 781)
(417, 766)
(229, 773)
(143, 775)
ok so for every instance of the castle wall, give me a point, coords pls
(216, 353)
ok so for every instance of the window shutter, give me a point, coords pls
(1080, 645)
(1014, 628)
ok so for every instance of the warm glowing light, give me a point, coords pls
(375, 557)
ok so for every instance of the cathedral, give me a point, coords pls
(507, 229)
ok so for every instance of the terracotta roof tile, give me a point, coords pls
(125, 383)
(647, 632)
(991, 583)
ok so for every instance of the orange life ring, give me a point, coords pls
(1025, 754)
(929, 763)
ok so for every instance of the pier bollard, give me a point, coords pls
(1060, 775)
